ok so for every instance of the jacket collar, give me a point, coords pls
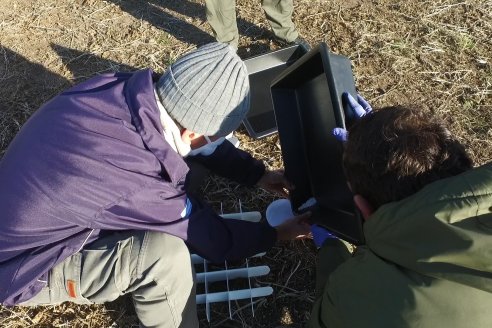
(139, 95)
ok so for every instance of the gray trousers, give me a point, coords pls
(221, 15)
(154, 267)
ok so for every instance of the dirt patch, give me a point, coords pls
(432, 54)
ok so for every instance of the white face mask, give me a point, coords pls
(208, 148)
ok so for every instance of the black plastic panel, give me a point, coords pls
(260, 121)
(308, 105)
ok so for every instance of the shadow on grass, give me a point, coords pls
(84, 65)
(25, 85)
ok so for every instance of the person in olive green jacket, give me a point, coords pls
(427, 261)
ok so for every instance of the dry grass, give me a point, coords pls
(434, 54)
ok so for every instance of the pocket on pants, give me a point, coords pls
(123, 265)
(64, 284)
(68, 274)
(107, 268)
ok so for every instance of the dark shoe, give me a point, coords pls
(298, 41)
(302, 43)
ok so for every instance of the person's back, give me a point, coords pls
(426, 262)
(74, 165)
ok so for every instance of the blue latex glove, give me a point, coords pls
(358, 108)
(320, 235)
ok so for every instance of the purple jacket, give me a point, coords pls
(94, 159)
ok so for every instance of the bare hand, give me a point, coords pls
(297, 227)
(276, 182)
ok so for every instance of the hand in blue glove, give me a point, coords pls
(358, 108)
(320, 235)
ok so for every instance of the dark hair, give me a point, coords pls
(393, 152)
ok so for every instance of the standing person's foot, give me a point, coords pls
(298, 41)
(302, 43)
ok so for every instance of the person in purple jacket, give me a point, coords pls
(94, 194)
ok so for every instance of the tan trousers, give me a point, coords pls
(221, 15)
(154, 267)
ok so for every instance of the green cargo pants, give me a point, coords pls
(221, 15)
(154, 267)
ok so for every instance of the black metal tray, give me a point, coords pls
(307, 102)
(262, 69)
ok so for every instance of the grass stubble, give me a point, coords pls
(432, 54)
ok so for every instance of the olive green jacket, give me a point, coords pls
(427, 262)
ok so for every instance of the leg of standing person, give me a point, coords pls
(279, 15)
(154, 267)
(221, 15)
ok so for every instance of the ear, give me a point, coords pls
(189, 136)
(365, 208)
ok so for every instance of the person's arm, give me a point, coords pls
(218, 239)
(330, 256)
(238, 165)
(165, 208)
(324, 313)
(233, 163)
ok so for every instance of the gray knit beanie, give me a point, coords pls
(207, 90)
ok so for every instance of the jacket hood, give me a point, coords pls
(443, 231)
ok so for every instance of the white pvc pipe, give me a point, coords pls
(246, 216)
(233, 295)
(250, 272)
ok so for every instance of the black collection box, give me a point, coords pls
(262, 69)
(307, 103)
